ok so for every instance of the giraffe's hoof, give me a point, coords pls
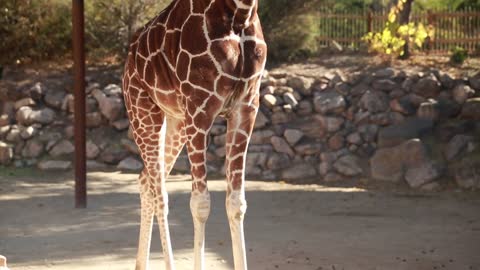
(3, 263)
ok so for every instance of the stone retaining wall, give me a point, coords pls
(385, 125)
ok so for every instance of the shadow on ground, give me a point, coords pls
(287, 226)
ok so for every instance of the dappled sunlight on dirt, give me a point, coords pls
(301, 227)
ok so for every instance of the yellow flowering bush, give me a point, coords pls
(392, 39)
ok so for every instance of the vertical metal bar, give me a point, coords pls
(79, 88)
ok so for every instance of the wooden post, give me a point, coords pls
(430, 20)
(79, 89)
(369, 21)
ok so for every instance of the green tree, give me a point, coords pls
(31, 29)
(112, 23)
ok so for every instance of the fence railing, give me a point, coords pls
(452, 28)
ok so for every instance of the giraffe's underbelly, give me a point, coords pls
(168, 101)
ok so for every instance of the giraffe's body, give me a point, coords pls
(195, 61)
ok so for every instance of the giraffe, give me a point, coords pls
(198, 59)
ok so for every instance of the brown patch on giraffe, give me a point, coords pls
(190, 130)
(193, 40)
(240, 19)
(171, 47)
(199, 141)
(255, 29)
(255, 55)
(240, 138)
(199, 6)
(183, 61)
(213, 106)
(181, 11)
(168, 102)
(151, 148)
(147, 141)
(196, 157)
(155, 37)
(198, 172)
(135, 123)
(187, 89)
(236, 149)
(202, 121)
(198, 97)
(150, 74)
(157, 74)
(225, 86)
(142, 94)
(140, 63)
(203, 72)
(133, 92)
(228, 54)
(218, 26)
(230, 4)
(147, 121)
(142, 45)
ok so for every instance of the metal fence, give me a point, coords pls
(452, 28)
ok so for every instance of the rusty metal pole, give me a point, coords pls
(79, 89)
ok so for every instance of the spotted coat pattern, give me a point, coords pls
(198, 59)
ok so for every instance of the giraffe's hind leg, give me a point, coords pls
(146, 221)
(173, 144)
(149, 129)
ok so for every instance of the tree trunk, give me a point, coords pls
(404, 18)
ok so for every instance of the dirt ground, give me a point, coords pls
(292, 227)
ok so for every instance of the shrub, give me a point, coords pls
(392, 39)
(37, 30)
(293, 38)
(459, 55)
(291, 28)
(33, 29)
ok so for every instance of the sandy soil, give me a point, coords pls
(288, 227)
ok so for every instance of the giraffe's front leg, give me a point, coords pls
(200, 114)
(239, 128)
(200, 208)
(200, 198)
